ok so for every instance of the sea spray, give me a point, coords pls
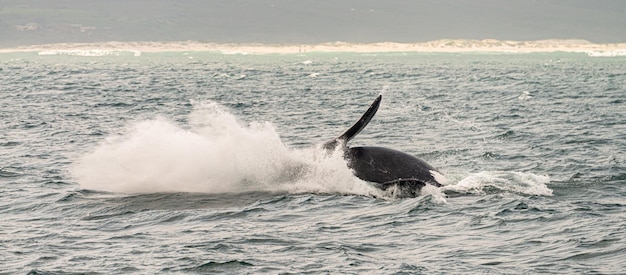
(502, 181)
(215, 153)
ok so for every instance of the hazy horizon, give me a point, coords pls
(30, 22)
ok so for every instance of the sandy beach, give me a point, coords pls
(446, 45)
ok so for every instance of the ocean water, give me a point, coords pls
(199, 162)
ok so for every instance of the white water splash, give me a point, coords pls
(507, 181)
(215, 155)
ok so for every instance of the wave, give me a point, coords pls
(446, 45)
(607, 53)
(89, 52)
(487, 182)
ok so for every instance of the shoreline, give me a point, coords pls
(438, 46)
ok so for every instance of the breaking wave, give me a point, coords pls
(610, 53)
(90, 52)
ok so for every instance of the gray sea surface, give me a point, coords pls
(199, 162)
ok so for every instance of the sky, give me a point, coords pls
(31, 22)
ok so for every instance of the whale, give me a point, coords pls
(400, 173)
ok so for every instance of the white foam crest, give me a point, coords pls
(215, 154)
(234, 52)
(436, 193)
(329, 174)
(88, 52)
(607, 53)
(507, 181)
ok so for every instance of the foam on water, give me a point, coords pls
(215, 153)
(502, 181)
(89, 52)
(610, 53)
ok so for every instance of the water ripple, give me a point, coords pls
(532, 144)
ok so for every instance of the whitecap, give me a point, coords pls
(502, 181)
(89, 52)
(608, 53)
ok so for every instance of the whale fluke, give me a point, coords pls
(357, 127)
(402, 174)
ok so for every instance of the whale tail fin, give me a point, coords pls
(357, 127)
